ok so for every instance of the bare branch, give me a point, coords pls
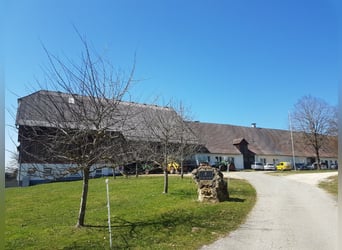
(313, 118)
(81, 125)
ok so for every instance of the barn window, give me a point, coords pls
(47, 171)
(31, 171)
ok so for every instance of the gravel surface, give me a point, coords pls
(291, 212)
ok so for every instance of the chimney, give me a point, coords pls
(71, 100)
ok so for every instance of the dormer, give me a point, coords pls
(241, 144)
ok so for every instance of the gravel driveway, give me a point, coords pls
(291, 212)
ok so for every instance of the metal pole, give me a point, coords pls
(19, 170)
(109, 225)
(293, 154)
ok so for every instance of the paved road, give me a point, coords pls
(288, 214)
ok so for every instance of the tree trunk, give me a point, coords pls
(181, 163)
(166, 176)
(136, 170)
(316, 147)
(318, 159)
(166, 181)
(114, 176)
(82, 212)
(182, 170)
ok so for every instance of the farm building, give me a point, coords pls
(55, 129)
(59, 132)
(246, 145)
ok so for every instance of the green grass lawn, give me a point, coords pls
(142, 217)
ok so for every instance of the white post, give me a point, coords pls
(109, 225)
(228, 175)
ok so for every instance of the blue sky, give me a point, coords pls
(233, 62)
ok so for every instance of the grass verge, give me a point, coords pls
(282, 173)
(43, 216)
(330, 185)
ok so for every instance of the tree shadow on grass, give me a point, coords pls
(95, 226)
(127, 233)
(235, 199)
(165, 221)
(152, 230)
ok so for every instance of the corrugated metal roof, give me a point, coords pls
(133, 120)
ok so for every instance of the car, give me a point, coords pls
(284, 165)
(302, 166)
(322, 165)
(333, 166)
(310, 167)
(257, 166)
(269, 166)
(156, 170)
(299, 166)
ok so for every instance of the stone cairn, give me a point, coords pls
(211, 186)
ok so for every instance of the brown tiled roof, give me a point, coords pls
(238, 141)
(220, 139)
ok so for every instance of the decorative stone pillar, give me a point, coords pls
(211, 186)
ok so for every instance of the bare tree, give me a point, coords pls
(170, 134)
(312, 116)
(188, 141)
(82, 125)
(161, 123)
(334, 122)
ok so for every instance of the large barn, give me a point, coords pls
(46, 113)
(57, 132)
